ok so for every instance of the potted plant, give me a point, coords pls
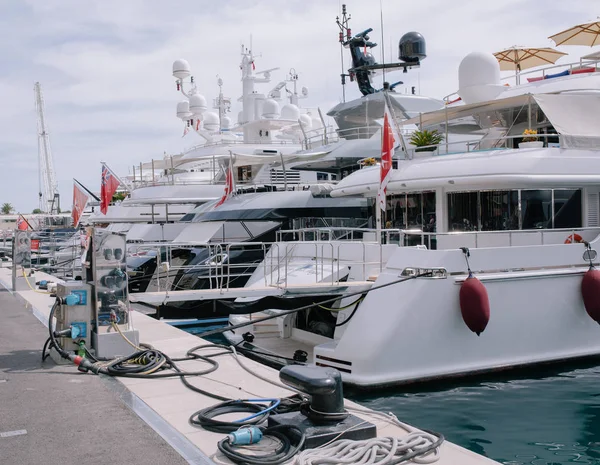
(367, 162)
(424, 138)
(530, 139)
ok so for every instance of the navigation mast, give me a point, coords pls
(48, 187)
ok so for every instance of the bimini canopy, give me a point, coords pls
(575, 117)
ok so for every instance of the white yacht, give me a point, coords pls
(521, 215)
(258, 218)
(270, 128)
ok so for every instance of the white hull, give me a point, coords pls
(414, 330)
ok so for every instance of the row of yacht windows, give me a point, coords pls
(514, 209)
(488, 210)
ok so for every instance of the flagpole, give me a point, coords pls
(232, 176)
(117, 177)
(378, 219)
(95, 197)
(25, 219)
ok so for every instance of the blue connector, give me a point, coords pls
(71, 299)
(245, 436)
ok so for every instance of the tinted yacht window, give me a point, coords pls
(567, 208)
(536, 209)
(462, 211)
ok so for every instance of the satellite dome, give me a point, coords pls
(183, 110)
(316, 122)
(479, 78)
(211, 121)
(181, 69)
(411, 48)
(306, 121)
(270, 109)
(197, 104)
(226, 123)
(290, 112)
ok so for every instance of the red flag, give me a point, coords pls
(186, 129)
(22, 224)
(80, 200)
(108, 187)
(253, 66)
(229, 187)
(197, 124)
(387, 152)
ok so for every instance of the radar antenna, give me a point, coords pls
(48, 187)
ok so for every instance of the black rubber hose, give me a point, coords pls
(63, 353)
(205, 418)
(291, 439)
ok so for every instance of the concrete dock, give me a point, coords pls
(54, 414)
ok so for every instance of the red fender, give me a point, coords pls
(590, 291)
(474, 304)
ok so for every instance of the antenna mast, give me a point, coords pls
(345, 34)
(48, 187)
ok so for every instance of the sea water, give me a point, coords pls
(541, 417)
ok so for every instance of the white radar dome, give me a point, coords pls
(290, 112)
(183, 110)
(479, 78)
(211, 121)
(226, 123)
(197, 104)
(306, 121)
(270, 109)
(181, 69)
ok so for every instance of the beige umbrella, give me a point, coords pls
(583, 34)
(518, 58)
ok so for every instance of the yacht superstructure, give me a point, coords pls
(520, 215)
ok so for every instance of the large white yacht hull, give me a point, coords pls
(414, 331)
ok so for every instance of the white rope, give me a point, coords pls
(415, 447)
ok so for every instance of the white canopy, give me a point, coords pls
(199, 233)
(575, 117)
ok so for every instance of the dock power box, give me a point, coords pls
(75, 312)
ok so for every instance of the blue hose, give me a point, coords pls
(274, 404)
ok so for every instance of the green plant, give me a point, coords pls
(421, 139)
(36, 211)
(6, 208)
(118, 196)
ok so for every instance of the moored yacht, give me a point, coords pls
(270, 128)
(515, 204)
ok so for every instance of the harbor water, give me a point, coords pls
(546, 416)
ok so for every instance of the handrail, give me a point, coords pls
(325, 234)
(435, 149)
(576, 64)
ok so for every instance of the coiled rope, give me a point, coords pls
(418, 447)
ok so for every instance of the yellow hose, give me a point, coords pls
(116, 327)
(31, 287)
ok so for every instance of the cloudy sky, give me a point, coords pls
(105, 66)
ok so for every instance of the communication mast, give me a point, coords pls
(48, 193)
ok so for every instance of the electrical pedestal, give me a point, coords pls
(325, 417)
(75, 314)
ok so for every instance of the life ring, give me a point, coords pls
(574, 238)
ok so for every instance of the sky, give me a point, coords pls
(105, 66)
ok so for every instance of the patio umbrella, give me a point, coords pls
(583, 34)
(519, 58)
